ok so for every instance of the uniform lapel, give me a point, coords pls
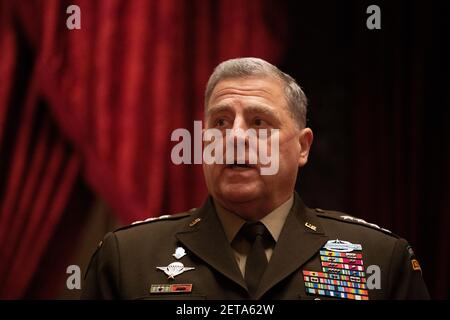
(296, 245)
(207, 240)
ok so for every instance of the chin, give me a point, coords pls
(239, 194)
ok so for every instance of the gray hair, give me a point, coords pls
(247, 67)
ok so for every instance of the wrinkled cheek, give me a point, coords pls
(287, 166)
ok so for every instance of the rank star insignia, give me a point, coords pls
(179, 253)
(174, 269)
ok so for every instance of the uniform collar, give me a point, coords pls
(274, 221)
(301, 238)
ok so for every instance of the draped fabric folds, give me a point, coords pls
(101, 103)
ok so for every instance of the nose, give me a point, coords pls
(237, 141)
(238, 131)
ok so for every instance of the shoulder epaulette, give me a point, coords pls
(165, 217)
(340, 216)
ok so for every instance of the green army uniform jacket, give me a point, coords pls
(319, 255)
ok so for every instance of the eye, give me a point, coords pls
(258, 122)
(220, 122)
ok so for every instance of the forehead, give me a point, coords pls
(266, 90)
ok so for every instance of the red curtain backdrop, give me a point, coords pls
(101, 102)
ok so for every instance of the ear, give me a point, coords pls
(305, 140)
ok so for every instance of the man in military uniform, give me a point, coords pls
(254, 238)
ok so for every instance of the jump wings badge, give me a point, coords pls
(174, 269)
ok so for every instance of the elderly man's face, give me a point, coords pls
(258, 103)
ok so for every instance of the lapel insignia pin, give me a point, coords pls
(174, 269)
(194, 222)
(179, 253)
(309, 225)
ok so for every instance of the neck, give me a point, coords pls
(252, 210)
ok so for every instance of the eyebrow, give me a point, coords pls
(249, 109)
(219, 108)
(261, 109)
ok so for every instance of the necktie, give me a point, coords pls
(258, 236)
